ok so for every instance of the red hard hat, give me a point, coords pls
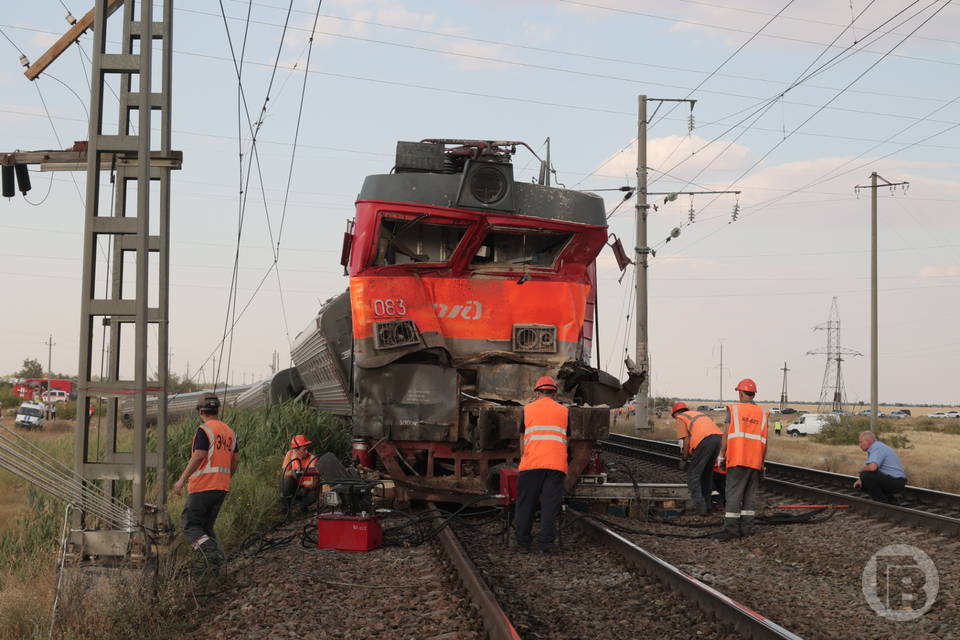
(545, 382)
(678, 406)
(747, 385)
(299, 441)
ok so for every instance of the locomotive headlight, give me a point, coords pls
(488, 185)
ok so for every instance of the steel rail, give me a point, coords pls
(797, 480)
(725, 609)
(495, 619)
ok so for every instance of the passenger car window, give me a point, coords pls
(411, 241)
(533, 247)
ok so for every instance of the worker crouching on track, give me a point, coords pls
(543, 466)
(212, 464)
(298, 489)
(744, 451)
(700, 440)
(883, 476)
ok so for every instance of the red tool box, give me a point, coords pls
(349, 533)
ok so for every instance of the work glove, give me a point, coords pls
(721, 462)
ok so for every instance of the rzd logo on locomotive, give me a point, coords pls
(472, 310)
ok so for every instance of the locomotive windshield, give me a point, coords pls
(534, 248)
(415, 240)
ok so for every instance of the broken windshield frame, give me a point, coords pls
(521, 247)
(417, 240)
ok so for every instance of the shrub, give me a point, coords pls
(848, 429)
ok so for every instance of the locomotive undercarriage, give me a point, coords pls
(442, 430)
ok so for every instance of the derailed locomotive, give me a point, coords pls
(465, 286)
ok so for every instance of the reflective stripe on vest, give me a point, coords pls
(544, 436)
(215, 470)
(746, 435)
(697, 432)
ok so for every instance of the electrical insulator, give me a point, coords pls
(691, 214)
(70, 19)
(23, 178)
(736, 211)
(8, 187)
(690, 123)
(24, 61)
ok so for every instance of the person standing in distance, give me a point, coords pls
(743, 452)
(543, 466)
(700, 444)
(212, 464)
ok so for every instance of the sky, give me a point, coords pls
(796, 104)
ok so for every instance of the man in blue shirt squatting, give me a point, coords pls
(882, 476)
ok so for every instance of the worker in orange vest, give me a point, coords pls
(699, 446)
(744, 451)
(543, 466)
(212, 464)
(298, 488)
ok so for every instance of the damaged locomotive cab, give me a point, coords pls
(465, 287)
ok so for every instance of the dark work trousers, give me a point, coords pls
(200, 513)
(880, 486)
(297, 496)
(742, 485)
(546, 487)
(720, 484)
(700, 472)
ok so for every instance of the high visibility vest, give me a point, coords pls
(291, 463)
(214, 472)
(746, 435)
(699, 426)
(544, 436)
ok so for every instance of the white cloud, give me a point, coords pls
(940, 272)
(663, 152)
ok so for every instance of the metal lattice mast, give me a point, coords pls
(138, 228)
(783, 390)
(831, 389)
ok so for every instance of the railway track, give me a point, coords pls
(926, 508)
(652, 598)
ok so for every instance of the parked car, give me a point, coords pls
(703, 407)
(863, 412)
(811, 424)
(30, 415)
(952, 414)
(899, 414)
(55, 395)
(938, 414)
(775, 411)
(719, 407)
(788, 410)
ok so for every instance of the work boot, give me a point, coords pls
(209, 549)
(731, 529)
(523, 548)
(746, 526)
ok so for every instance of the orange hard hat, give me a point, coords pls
(299, 441)
(747, 385)
(678, 406)
(545, 383)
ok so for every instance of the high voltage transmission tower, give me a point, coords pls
(831, 390)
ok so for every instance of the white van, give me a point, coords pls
(31, 415)
(55, 395)
(811, 423)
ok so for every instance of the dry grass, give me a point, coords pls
(25, 602)
(930, 461)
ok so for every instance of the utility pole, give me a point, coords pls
(641, 250)
(50, 344)
(874, 386)
(783, 390)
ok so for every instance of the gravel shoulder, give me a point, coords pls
(391, 593)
